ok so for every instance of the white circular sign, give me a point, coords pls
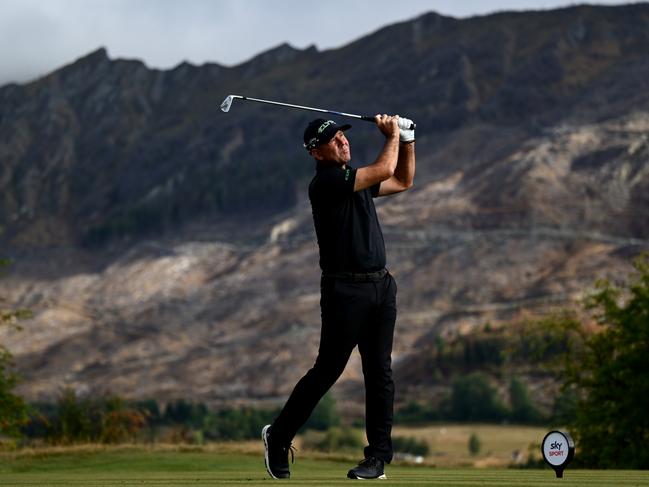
(556, 449)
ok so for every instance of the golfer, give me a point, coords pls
(357, 293)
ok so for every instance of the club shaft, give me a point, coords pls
(300, 107)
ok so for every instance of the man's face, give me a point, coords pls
(336, 150)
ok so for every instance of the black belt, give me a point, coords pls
(357, 276)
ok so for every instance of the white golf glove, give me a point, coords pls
(406, 134)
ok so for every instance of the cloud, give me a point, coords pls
(45, 35)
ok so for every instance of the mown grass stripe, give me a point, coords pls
(199, 469)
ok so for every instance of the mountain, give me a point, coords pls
(166, 248)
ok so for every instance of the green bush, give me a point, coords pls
(564, 409)
(410, 445)
(474, 399)
(333, 440)
(236, 424)
(416, 413)
(324, 416)
(74, 419)
(475, 445)
(14, 412)
(185, 413)
(523, 409)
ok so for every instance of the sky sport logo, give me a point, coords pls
(555, 450)
(558, 450)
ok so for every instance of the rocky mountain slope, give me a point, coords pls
(166, 249)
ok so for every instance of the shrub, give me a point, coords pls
(324, 416)
(410, 445)
(523, 409)
(13, 409)
(416, 413)
(474, 399)
(333, 440)
(77, 419)
(475, 445)
(236, 424)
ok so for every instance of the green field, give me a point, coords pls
(449, 443)
(139, 466)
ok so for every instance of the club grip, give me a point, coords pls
(367, 118)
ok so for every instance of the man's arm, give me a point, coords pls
(404, 173)
(385, 165)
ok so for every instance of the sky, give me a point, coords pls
(39, 36)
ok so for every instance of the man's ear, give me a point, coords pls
(315, 153)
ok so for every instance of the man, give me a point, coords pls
(358, 295)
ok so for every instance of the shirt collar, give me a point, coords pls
(327, 164)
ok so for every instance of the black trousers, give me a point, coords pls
(353, 313)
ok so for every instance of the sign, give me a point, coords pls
(558, 449)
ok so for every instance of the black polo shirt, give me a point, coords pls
(348, 230)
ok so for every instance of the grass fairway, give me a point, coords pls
(141, 467)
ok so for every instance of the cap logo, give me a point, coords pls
(324, 126)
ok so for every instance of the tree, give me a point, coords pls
(523, 409)
(335, 439)
(324, 416)
(611, 371)
(13, 409)
(604, 366)
(102, 418)
(474, 399)
(119, 422)
(408, 444)
(474, 445)
(78, 420)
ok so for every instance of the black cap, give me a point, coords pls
(321, 131)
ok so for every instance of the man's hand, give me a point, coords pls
(383, 168)
(406, 134)
(388, 125)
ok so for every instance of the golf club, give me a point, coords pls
(227, 103)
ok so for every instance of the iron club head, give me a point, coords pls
(227, 103)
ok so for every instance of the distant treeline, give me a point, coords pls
(487, 373)
(110, 419)
(474, 398)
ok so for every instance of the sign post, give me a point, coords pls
(558, 449)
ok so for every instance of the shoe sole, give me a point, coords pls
(264, 436)
(380, 477)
